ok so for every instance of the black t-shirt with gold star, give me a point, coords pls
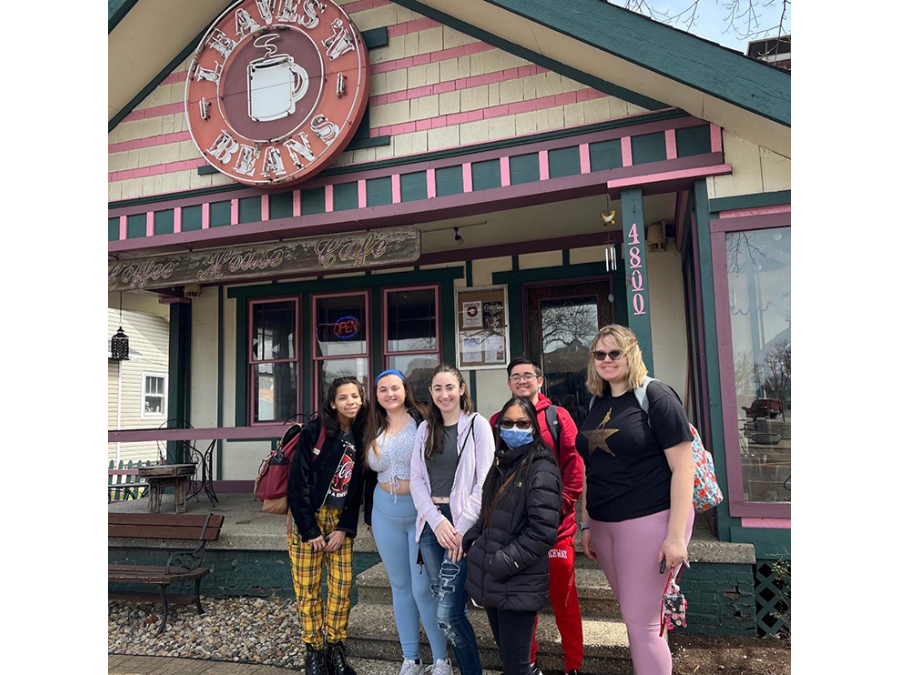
(624, 460)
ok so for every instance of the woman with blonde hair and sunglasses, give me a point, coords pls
(637, 513)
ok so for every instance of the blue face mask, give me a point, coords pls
(516, 438)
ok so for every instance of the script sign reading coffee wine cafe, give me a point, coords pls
(276, 89)
(238, 263)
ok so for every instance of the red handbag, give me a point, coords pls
(271, 484)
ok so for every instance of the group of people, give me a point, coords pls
(488, 510)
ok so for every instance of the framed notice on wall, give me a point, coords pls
(482, 327)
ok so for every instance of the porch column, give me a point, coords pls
(636, 280)
(179, 371)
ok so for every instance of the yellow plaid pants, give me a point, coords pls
(306, 570)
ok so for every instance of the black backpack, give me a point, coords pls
(553, 425)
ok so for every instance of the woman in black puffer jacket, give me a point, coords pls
(509, 571)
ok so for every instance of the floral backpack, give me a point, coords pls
(707, 493)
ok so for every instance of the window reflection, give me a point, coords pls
(759, 287)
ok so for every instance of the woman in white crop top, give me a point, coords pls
(390, 512)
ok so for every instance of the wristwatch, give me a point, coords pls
(584, 526)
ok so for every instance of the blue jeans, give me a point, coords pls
(448, 584)
(394, 529)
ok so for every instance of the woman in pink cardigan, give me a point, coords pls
(453, 453)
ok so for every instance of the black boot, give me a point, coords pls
(337, 660)
(316, 661)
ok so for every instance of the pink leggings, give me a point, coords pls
(628, 552)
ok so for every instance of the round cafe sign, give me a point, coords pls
(276, 89)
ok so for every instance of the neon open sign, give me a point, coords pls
(346, 327)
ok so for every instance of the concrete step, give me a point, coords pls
(595, 597)
(373, 635)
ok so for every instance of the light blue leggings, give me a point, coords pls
(394, 528)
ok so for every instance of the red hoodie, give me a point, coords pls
(571, 466)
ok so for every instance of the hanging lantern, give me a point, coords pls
(119, 346)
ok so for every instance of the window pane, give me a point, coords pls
(417, 370)
(568, 325)
(154, 385)
(328, 370)
(759, 287)
(411, 320)
(275, 391)
(341, 326)
(153, 405)
(273, 331)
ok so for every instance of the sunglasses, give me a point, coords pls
(614, 355)
(518, 424)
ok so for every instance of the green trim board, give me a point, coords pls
(672, 53)
(325, 285)
(753, 201)
(220, 375)
(638, 293)
(179, 384)
(535, 57)
(241, 334)
(457, 151)
(704, 269)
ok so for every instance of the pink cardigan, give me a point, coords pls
(475, 459)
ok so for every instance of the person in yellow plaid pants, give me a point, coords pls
(306, 570)
(324, 496)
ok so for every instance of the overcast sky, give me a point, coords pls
(713, 16)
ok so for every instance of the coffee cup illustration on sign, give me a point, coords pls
(274, 83)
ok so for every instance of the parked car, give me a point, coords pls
(764, 407)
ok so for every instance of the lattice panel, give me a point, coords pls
(773, 597)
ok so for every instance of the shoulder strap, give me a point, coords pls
(641, 394)
(552, 424)
(320, 441)
(496, 497)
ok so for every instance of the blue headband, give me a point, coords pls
(391, 372)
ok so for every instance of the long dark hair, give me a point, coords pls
(329, 414)
(517, 487)
(377, 419)
(434, 441)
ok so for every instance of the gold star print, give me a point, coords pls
(597, 438)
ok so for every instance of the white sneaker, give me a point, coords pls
(441, 667)
(411, 667)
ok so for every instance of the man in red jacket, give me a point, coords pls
(525, 380)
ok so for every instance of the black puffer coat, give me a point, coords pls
(508, 563)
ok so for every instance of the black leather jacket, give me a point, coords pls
(509, 567)
(310, 479)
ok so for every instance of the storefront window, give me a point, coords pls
(411, 328)
(341, 339)
(759, 288)
(273, 361)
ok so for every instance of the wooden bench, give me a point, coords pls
(181, 565)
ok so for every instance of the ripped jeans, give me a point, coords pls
(448, 584)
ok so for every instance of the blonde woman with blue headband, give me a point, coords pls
(389, 439)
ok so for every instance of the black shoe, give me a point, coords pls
(315, 661)
(574, 671)
(536, 669)
(337, 660)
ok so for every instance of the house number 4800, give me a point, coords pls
(637, 276)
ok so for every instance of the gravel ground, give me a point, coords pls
(249, 630)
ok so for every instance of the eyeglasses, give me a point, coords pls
(614, 355)
(518, 424)
(528, 377)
